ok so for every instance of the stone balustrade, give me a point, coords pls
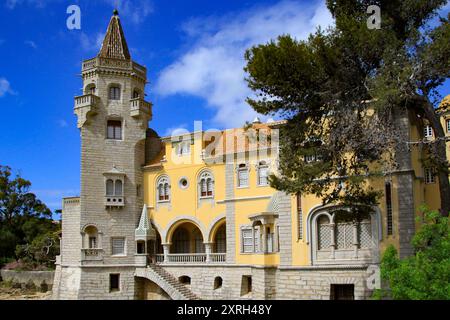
(139, 107)
(92, 254)
(190, 258)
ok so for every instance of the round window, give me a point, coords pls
(183, 183)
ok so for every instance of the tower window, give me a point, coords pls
(136, 94)
(114, 93)
(114, 130)
(448, 125)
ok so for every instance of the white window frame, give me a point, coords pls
(206, 179)
(242, 167)
(253, 234)
(114, 192)
(164, 182)
(118, 254)
(247, 234)
(262, 165)
(183, 148)
(428, 132)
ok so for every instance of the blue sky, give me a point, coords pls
(193, 51)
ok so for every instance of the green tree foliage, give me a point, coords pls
(23, 217)
(340, 91)
(426, 275)
(41, 252)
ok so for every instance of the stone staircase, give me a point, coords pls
(169, 283)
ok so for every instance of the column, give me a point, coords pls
(264, 238)
(208, 250)
(166, 247)
(333, 239)
(355, 239)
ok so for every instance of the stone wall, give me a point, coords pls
(41, 279)
(315, 283)
(272, 283)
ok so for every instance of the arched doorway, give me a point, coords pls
(146, 289)
(220, 240)
(187, 238)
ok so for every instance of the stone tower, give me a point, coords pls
(113, 117)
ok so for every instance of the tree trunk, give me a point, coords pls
(441, 157)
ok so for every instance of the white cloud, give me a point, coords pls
(212, 66)
(134, 10)
(62, 123)
(173, 131)
(30, 43)
(11, 4)
(5, 87)
(91, 44)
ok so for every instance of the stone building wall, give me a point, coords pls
(272, 283)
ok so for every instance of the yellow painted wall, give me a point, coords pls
(184, 201)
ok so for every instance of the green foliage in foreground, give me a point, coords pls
(24, 219)
(426, 275)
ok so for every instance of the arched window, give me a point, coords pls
(136, 94)
(206, 184)
(341, 237)
(91, 237)
(114, 92)
(198, 239)
(263, 173)
(181, 241)
(118, 190)
(90, 89)
(185, 280)
(109, 187)
(163, 189)
(242, 175)
(218, 282)
(221, 240)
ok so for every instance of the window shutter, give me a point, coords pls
(118, 246)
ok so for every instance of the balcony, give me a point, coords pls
(92, 254)
(114, 201)
(140, 108)
(85, 106)
(183, 258)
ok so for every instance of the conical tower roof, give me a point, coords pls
(114, 45)
(145, 230)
